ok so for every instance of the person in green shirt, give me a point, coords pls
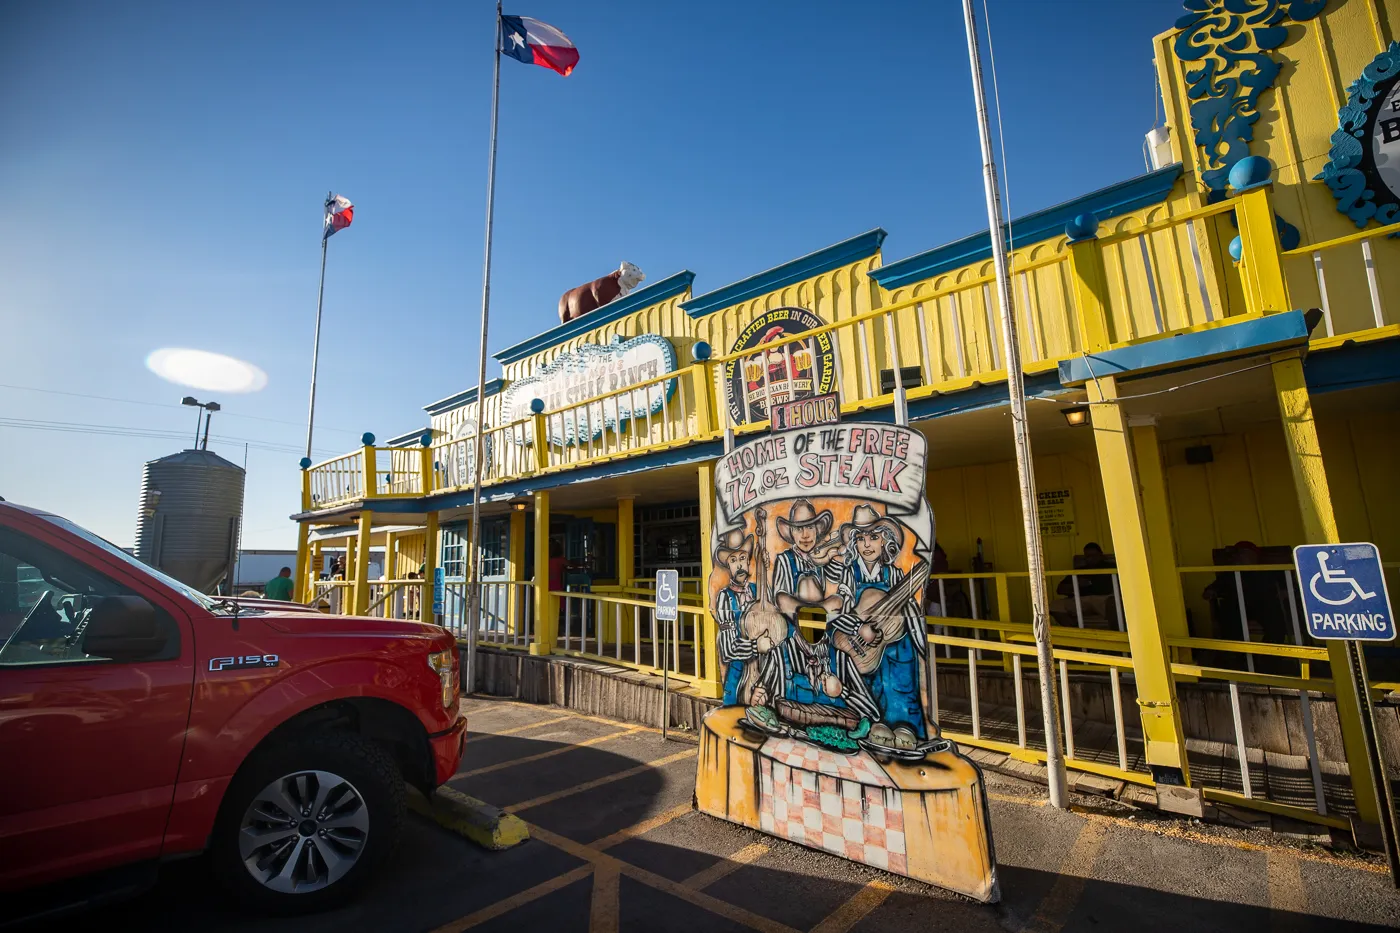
(280, 586)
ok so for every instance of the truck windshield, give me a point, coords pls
(208, 602)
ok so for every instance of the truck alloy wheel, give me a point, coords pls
(303, 832)
(307, 821)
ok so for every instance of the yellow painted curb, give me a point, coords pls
(488, 826)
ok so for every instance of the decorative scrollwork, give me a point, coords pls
(1343, 173)
(1232, 39)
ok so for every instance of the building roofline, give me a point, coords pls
(1117, 199)
(643, 297)
(795, 270)
(465, 397)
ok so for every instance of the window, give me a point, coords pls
(46, 599)
(495, 548)
(454, 552)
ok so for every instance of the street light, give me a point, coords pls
(206, 412)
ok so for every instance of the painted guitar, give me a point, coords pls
(881, 613)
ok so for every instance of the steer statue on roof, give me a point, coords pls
(577, 302)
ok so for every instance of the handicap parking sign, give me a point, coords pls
(668, 595)
(1344, 593)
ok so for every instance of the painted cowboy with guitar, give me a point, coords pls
(881, 625)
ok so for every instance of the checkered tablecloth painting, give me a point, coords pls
(844, 804)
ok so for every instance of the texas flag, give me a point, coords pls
(339, 213)
(536, 43)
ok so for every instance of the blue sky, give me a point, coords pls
(162, 167)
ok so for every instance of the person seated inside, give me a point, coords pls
(1096, 602)
(1266, 617)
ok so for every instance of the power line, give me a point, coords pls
(132, 401)
(74, 427)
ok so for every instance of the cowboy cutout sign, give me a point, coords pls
(821, 556)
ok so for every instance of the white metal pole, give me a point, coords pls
(1015, 386)
(316, 338)
(474, 580)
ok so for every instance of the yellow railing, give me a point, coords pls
(505, 454)
(619, 629)
(1367, 243)
(1139, 281)
(666, 411)
(507, 617)
(338, 480)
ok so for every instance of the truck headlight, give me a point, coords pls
(441, 662)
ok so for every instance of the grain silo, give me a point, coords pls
(188, 523)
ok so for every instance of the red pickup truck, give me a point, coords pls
(142, 721)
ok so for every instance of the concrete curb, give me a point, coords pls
(488, 826)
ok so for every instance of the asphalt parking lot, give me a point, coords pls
(616, 846)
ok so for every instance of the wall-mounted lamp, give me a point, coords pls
(518, 506)
(1076, 416)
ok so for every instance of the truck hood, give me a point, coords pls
(316, 623)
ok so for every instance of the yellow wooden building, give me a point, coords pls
(1212, 356)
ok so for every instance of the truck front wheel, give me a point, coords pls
(307, 821)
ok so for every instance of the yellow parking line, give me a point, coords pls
(854, 910)
(603, 913)
(543, 755)
(698, 898)
(1286, 893)
(1054, 910)
(644, 827)
(708, 876)
(516, 900)
(599, 782)
(524, 728)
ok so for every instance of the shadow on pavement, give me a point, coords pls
(437, 878)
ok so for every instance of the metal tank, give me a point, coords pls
(188, 522)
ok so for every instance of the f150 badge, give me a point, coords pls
(246, 661)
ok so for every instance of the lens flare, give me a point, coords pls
(200, 369)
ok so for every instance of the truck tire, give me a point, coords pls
(306, 823)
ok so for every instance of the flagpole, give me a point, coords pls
(316, 339)
(473, 555)
(1016, 389)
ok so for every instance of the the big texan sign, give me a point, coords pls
(588, 372)
(829, 742)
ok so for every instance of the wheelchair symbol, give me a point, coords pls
(664, 595)
(1335, 578)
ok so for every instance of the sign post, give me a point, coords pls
(439, 586)
(1344, 597)
(668, 599)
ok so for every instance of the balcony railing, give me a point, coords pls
(1138, 282)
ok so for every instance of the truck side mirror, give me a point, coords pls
(124, 628)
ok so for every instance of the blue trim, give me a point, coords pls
(407, 439)
(464, 398)
(1251, 336)
(1126, 196)
(641, 298)
(789, 273)
(1352, 366)
(1042, 385)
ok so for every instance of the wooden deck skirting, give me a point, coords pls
(588, 687)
